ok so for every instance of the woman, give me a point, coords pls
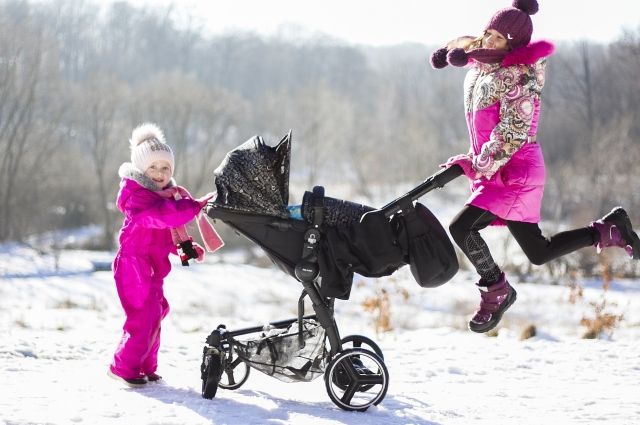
(505, 163)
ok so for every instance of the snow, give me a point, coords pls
(60, 326)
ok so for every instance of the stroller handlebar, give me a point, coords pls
(435, 181)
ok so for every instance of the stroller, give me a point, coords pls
(322, 248)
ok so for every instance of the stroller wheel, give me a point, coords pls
(357, 341)
(235, 372)
(211, 369)
(356, 379)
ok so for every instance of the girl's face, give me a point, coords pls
(492, 39)
(160, 172)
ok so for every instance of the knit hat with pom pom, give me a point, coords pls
(514, 23)
(148, 145)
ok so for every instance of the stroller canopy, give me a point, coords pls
(254, 178)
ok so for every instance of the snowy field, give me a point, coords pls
(60, 328)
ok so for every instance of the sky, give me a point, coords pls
(378, 22)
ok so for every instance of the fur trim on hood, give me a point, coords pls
(529, 54)
(129, 171)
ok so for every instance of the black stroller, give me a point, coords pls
(322, 249)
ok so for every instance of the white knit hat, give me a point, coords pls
(148, 145)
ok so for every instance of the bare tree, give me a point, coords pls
(26, 73)
(72, 28)
(198, 121)
(100, 102)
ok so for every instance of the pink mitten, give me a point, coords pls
(465, 162)
(200, 251)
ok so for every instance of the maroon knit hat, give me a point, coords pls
(514, 22)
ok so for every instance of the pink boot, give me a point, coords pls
(615, 229)
(495, 300)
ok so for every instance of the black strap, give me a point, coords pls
(318, 206)
(272, 351)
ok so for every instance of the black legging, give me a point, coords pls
(465, 231)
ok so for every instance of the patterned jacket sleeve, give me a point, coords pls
(517, 107)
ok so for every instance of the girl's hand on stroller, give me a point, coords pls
(200, 251)
(204, 199)
(464, 161)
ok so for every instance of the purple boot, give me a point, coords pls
(495, 300)
(615, 229)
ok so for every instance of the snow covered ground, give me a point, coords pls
(59, 330)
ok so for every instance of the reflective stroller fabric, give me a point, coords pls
(336, 211)
(285, 354)
(254, 178)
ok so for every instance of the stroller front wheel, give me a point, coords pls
(235, 372)
(211, 370)
(356, 379)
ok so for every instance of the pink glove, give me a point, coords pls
(200, 251)
(204, 199)
(465, 162)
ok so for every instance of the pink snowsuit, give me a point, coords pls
(502, 105)
(139, 268)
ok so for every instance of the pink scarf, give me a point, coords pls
(212, 241)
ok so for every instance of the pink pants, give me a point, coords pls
(145, 306)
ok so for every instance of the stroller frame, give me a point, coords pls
(355, 377)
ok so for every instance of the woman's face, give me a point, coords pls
(494, 40)
(160, 172)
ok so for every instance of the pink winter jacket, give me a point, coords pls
(145, 237)
(505, 162)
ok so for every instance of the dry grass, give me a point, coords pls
(576, 291)
(493, 333)
(380, 305)
(528, 331)
(67, 304)
(603, 321)
(21, 323)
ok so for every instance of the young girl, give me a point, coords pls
(147, 198)
(505, 163)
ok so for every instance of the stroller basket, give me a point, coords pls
(287, 354)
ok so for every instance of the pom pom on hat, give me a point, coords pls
(530, 7)
(149, 145)
(439, 58)
(145, 132)
(458, 57)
